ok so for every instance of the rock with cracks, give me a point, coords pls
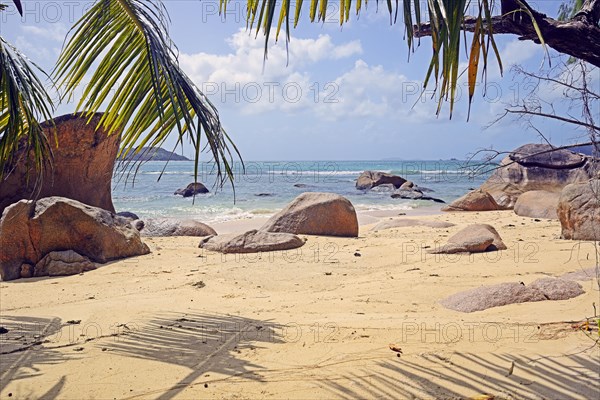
(538, 204)
(313, 213)
(579, 211)
(83, 160)
(29, 230)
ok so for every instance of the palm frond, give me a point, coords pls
(446, 19)
(19, 6)
(23, 103)
(123, 48)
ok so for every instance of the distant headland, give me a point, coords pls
(154, 154)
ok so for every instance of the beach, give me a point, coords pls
(336, 318)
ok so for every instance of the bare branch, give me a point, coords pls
(551, 116)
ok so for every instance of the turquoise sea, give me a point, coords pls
(267, 186)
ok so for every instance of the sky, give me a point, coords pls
(337, 93)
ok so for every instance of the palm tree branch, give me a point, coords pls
(23, 103)
(123, 49)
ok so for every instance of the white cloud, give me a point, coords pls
(55, 32)
(237, 80)
(242, 79)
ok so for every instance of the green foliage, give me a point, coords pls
(23, 102)
(568, 10)
(120, 53)
(446, 18)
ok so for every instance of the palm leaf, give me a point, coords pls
(19, 7)
(536, 27)
(23, 103)
(446, 19)
(123, 48)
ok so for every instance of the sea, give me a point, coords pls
(262, 188)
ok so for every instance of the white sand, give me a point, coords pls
(312, 323)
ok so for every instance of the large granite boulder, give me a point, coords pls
(477, 238)
(579, 210)
(192, 189)
(476, 200)
(29, 230)
(161, 227)
(82, 167)
(371, 179)
(537, 204)
(251, 242)
(314, 213)
(536, 167)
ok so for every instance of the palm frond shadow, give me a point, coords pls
(202, 343)
(432, 376)
(22, 355)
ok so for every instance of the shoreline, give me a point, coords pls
(364, 218)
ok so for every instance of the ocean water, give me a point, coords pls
(265, 187)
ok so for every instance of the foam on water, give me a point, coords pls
(152, 198)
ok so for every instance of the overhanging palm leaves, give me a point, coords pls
(446, 18)
(123, 48)
(23, 102)
(121, 51)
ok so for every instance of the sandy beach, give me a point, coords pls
(183, 322)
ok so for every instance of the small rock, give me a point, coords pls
(192, 189)
(26, 270)
(128, 215)
(475, 238)
(251, 242)
(61, 263)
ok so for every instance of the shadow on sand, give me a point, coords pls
(22, 354)
(202, 343)
(433, 376)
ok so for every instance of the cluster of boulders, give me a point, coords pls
(537, 167)
(60, 236)
(66, 224)
(538, 181)
(311, 213)
(401, 188)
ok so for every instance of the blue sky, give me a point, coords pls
(347, 93)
